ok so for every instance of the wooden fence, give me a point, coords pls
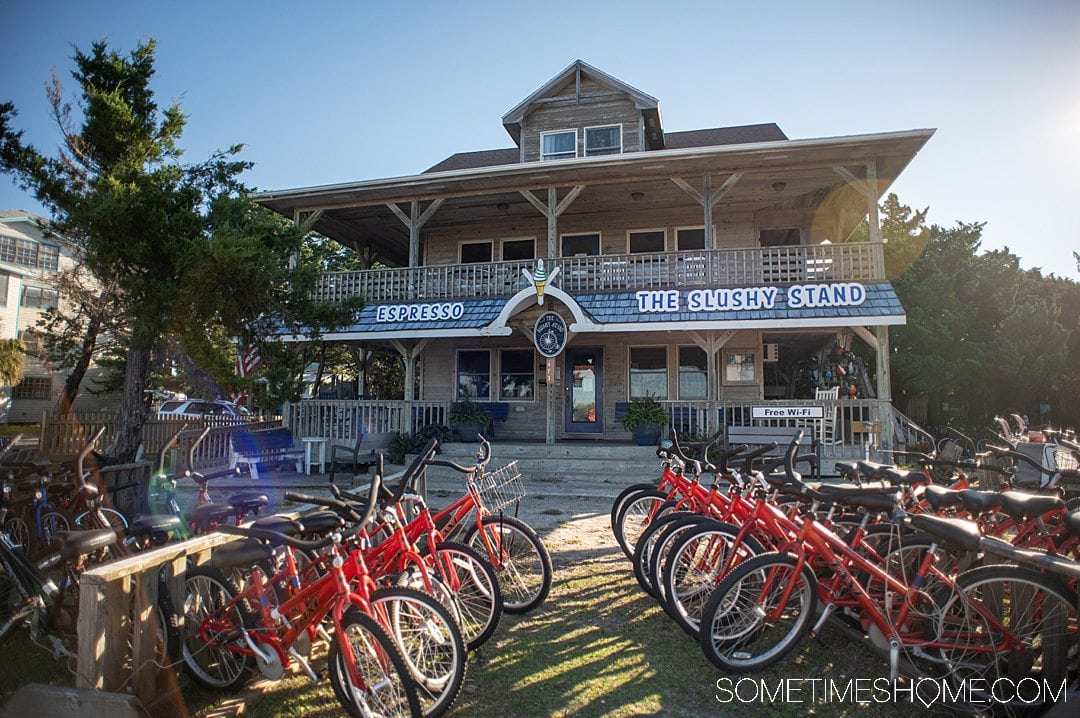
(62, 437)
(340, 420)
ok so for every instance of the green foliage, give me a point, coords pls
(12, 361)
(982, 335)
(400, 445)
(646, 410)
(469, 412)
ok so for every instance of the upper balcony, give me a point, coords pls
(728, 267)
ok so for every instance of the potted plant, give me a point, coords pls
(645, 417)
(467, 419)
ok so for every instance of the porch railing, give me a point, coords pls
(855, 262)
(341, 420)
(849, 429)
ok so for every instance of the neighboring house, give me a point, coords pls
(29, 253)
(702, 267)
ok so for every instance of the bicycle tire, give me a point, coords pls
(623, 497)
(116, 520)
(732, 625)
(478, 596)
(634, 518)
(642, 558)
(378, 658)
(684, 593)
(523, 564)
(1037, 610)
(207, 590)
(430, 641)
(52, 521)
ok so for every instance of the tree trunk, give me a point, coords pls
(319, 374)
(135, 409)
(78, 373)
(198, 377)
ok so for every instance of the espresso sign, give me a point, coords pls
(549, 334)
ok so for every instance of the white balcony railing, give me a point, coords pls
(856, 262)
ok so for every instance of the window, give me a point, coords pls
(518, 249)
(39, 297)
(33, 387)
(475, 252)
(740, 367)
(648, 372)
(35, 344)
(559, 145)
(29, 253)
(647, 241)
(4, 280)
(603, 140)
(693, 373)
(690, 238)
(780, 237)
(474, 374)
(580, 245)
(517, 374)
(170, 406)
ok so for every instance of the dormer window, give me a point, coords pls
(606, 140)
(560, 145)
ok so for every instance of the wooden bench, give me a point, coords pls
(781, 435)
(252, 448)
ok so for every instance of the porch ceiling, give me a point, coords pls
(357, 216)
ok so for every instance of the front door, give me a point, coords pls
(584, 391)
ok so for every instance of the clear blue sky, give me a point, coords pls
(323, 92)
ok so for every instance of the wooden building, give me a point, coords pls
(709, 268)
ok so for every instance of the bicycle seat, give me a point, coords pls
(207, 514)
(873, 470)
(941, 498)
(1071, 522)
(155, 525)
(75, 544)
(244, 552)
(870, 499)
(320, 522)
(278, 524)
(1023, 507)
(849, 468)
(979, 502)
(961, 533)
(900, 477)
(248, 501)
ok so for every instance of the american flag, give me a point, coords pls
(247, 361)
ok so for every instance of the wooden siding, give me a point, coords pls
(527, 418)
(598, 106)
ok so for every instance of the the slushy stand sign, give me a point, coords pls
(741, 299)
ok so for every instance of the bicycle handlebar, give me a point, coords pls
(195, 445)
(83, 453)
(10, 445)
(1072, 473)
(275, 537)
(174, 439)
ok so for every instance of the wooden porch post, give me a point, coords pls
(884, 386)
(551, 210)
(414, 221)
(708, 197)
(410, 355)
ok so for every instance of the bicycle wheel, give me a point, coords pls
(635, 517)
(643, 551)
(520, 559)
(52, 521)
(1009, 623)
(694, 564)
(209, 660)
(430, 641)
(622, 498)
(476, 591)
(15, 528)
(116, 520)
(387, 687)
(758, 613)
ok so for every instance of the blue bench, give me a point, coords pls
(265, 446)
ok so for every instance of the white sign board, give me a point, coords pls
(787, 412)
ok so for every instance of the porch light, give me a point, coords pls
(779, 186)
(637, 196)
(502, 206)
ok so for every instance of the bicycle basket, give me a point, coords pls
(501, 487)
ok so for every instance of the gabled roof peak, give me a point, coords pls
(574, 71)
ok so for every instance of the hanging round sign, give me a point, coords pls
(549, 334)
